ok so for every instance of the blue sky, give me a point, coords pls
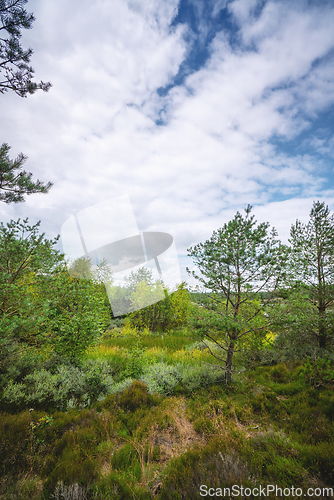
(193, 108)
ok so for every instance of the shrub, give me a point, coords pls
(133, 396)
(320, 459)
(194, 377)
(121, 386)
(68, 387)
(280, 373)
(161, 378)
(214, 465)
(319, 373)
(136, 396)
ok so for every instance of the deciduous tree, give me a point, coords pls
(40, 303)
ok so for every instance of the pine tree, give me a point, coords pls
(313, 266)
(237, 264)
(15, 182)
(16, 75)
(15, 72)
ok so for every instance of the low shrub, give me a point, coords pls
(318, 373)
(280, 373)
(319, 459)
(161, 378)
(194, 377)
(135, 396)
(217, 465)
(68, 387)
(121, 386)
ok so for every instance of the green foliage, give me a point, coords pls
(136, 396)
(14, 61)
(27, 262)
(79, 313)
(238, 262)
(135, 278)
(115, 486)
(82, 268)
(318, 373)
(312, 266)
(164, 315)
(121, 386)
(67, 387)
(216, 465)
(134, 362)
(161, 378)
(269, 430)
(40, 303)
(195, 377)
(15, 182)
(23, 364)
(279, 373)
(319, 459)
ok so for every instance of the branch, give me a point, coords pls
(215, 341)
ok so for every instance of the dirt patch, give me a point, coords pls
(179, 436)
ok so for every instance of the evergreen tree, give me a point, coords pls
(15, 182)
(239, 262)
(312, 260)
(15, 72)
(16, 75)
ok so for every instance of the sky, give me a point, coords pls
(192, 108)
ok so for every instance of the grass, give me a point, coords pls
(266, 428)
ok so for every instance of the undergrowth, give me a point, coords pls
(158, 422)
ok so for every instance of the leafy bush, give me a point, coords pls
(68, 387)
(161, 378)
(194, 377)
(135, 362)
(121, 386)
(20, 365)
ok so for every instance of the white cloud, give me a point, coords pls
(95, 134)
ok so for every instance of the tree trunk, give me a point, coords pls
(228, 364)
(322, 336)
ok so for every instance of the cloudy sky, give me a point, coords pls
(193, 108)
